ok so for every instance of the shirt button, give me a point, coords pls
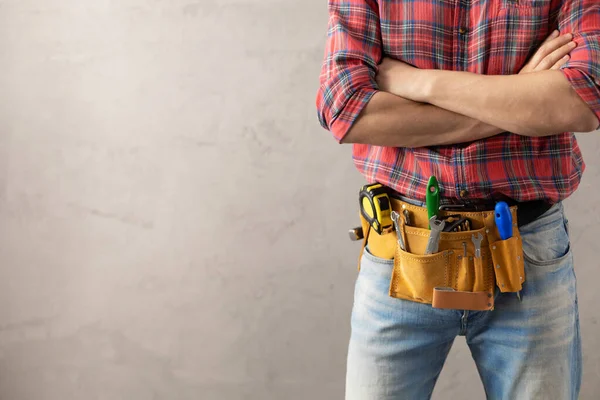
(462, 30)
(464, 193)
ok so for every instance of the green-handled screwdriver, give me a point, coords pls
(432, 198)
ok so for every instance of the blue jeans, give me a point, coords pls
(523, 350)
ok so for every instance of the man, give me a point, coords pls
(484, 95)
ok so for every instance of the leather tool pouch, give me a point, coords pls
(508, 261)
(446, 279)
(453, 277)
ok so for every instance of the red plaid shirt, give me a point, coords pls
(481, 36)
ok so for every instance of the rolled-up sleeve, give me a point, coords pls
(352, 53)
(582, 19)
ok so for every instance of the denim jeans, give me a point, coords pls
(527, 349)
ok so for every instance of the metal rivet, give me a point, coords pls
(493, 247)
(489, 304)
(471, 258)
(518, 257)
(487, 231)
(403, 206)
(489, 295)
(498, 266)
(521, 277)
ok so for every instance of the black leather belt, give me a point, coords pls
(531, 210)
(527, 211)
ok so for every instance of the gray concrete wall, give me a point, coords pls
(131, 268)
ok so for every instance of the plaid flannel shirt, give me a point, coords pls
(489, 37)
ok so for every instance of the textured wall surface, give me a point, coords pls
(172, 216)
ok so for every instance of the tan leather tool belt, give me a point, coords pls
(452, 278)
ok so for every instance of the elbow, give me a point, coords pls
(342, 117)
(585, 97)
(337, 130)
(328, 113)
(339, 133)
(586, 122)
(346, 140)
(578, 119)
(352, 136)
(357, 132)
(582, 120)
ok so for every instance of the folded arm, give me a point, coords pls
(351, 104)
(389, 120)
(535, 104)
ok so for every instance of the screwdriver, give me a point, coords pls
(503, 220)
(504, 224)
(432, 197)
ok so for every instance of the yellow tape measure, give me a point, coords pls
(375, 207)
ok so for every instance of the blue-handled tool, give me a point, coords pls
(504, 221)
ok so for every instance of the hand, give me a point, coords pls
(398, 78)
(552, 54)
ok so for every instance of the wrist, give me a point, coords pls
(426, 81)
(406, 82)
(415, 84)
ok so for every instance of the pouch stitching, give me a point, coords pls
(445, 272)
(455, 283)
(417, 233)
(396, 294)
(470, 213)
(490, 272)
(429, 260)
(516, 238)
(414, 231)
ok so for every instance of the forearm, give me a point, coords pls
(535, 104)
(392, 121)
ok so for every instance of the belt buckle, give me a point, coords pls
(455, 205)
(464, 206)
(452, 207)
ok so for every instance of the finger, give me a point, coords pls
(556, 56)
(551, 36)
(560, 62)
(549, 47)
(556, 43)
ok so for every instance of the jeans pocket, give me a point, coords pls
(374, 279)
(377, 260)
(546, 241)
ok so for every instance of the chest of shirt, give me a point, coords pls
(480, 36)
